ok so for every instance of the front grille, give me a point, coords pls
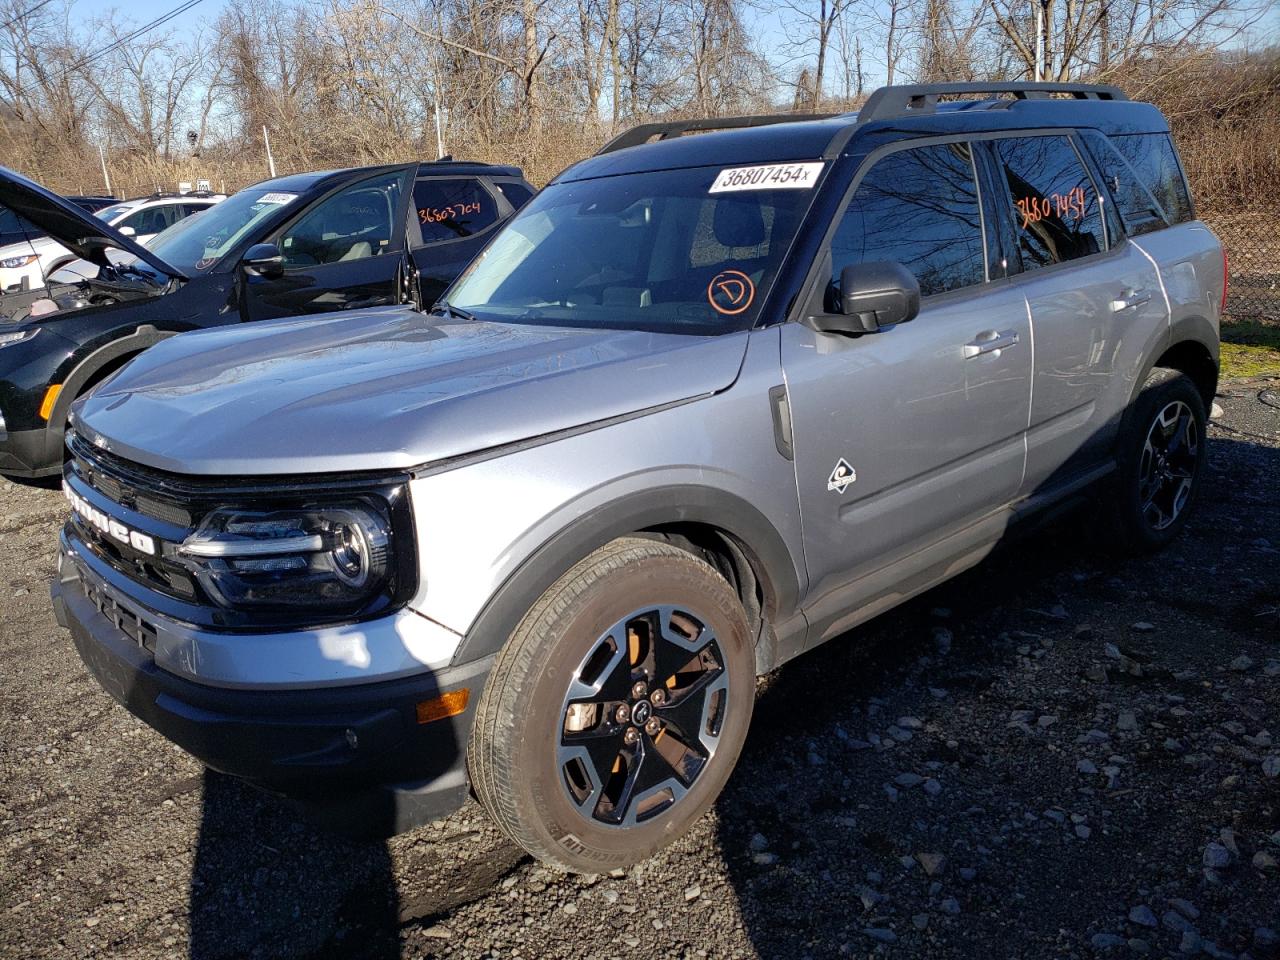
(129, 484)
(148, 494)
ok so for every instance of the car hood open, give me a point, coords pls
(79, 231)
(387, 388)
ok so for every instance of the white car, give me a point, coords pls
(140, 220)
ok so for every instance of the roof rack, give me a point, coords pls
(889, 103)
(886, 103)
(675, 128)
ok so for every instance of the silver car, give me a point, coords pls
(704, 404)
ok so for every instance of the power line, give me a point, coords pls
(25, 13)
(98, 54)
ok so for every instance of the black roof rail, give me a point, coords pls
(888, 103)
(675, 128)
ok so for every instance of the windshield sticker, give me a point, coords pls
(730, 292)
(1060, 205)
(770, 176)
(277, 198)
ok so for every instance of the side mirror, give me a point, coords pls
(872, 295)
(128, 232)
(264, 259)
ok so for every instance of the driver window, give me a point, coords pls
(918, 206)
(353, 224)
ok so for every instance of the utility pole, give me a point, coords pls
(1039, 40)
(106, 177)
(1043, 26)
(271, 163)
(439, 131)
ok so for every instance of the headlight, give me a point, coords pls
(330, 557)
(12, 263)
(17, 336)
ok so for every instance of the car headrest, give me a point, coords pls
(738, 222)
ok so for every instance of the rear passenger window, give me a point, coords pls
(449, 209)
(921, 208)
(1153, 157)
(1055, 206)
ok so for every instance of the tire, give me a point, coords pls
(1160, 456)
(558, 772)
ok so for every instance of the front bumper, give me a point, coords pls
(355, 754)
(30, 453)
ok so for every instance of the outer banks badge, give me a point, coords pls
(841, 476)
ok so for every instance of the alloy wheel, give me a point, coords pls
(642, 716)
(1167, 469)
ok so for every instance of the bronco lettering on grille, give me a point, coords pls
(110, 525)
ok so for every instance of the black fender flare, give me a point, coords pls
(141, 338)
(1193, 330)
(754, 534)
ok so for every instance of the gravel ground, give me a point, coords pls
(1058, 754)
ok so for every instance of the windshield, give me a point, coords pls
(681, 251)
(196, 244)
(110, 213)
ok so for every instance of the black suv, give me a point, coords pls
(306, 243)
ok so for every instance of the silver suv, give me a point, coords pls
(704, 404)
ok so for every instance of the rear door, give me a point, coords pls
(1091, 295)
(345, 251)
(908, 434)
(452, 218)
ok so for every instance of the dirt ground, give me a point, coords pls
(1058, 754)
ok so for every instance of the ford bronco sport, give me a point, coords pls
(702, 405)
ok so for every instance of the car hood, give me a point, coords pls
(384, 389)
(79, 231)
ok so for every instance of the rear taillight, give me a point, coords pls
(1222, 309)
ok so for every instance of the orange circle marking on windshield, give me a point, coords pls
(730, 292)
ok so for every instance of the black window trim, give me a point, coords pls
(820, 270)
(414, 227)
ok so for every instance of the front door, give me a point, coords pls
(908, 434)
(345, 252)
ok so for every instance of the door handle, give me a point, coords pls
(990, 341)
(1130, 299)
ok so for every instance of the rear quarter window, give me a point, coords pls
(1134, 203)
(517, 194)
(1153, 158)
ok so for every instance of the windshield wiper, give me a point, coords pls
(442, 308)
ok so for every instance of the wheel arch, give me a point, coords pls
(1192, 350)
(726, 530)
(102, 362)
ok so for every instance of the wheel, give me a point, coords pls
(615, 713)
(1161, 457)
